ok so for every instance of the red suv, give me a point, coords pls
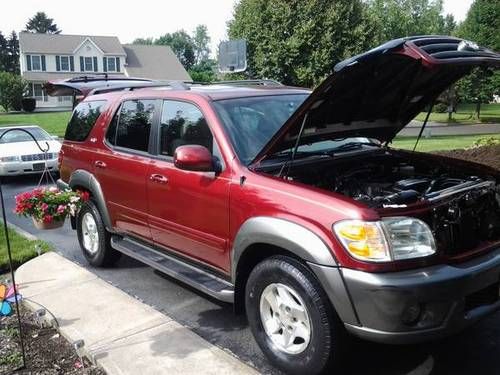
(290, 203)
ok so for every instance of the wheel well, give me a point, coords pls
(253, 255)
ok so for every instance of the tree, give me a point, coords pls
(12, 90)
(204, 71)
(481, 26)
(9, 53)
(3, 53)
(201, 41)
(41, 23)
(298, 42)
(393, 19)
(144, 41)
(182, 45)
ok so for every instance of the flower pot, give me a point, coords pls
(45, 226)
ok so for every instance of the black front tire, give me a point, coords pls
(104, 255)
(323, 349)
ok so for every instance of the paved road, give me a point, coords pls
(474, 351)
(435, 129)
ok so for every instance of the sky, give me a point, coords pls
(141, 19)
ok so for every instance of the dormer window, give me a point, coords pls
(111, 64)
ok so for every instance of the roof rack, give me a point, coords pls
(176, 85)
(249, 82)
(105, 77)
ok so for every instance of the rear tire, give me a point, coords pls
(291, 317)
(94, 239)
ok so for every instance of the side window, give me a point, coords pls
(83, 120)
(134, 124)
(183, 124)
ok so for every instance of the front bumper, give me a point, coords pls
(418, 305)
(18, 168)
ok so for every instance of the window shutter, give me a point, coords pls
(58, 63)
(28, 62)
(104, 64)
(44, 67)
(71, 63)
(95, 64)
(81, 64)
(117, 64)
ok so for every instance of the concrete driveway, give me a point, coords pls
(474, 351)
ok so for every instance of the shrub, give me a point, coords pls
(440, 108)
(12, 90)
(486, 141)
(29, 104)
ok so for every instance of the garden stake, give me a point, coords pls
(7, 241)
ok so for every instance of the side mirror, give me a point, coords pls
(193, 158)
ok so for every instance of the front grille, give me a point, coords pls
(37, 157)
(483, 297)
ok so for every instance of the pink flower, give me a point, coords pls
(45, 206)
(53, 189)
(47, 219)
(61, 209)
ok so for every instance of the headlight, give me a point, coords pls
(393, 238)
(7, 159)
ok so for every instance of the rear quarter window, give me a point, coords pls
(83, 120)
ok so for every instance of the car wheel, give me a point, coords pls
(291, 318)
(93, 237)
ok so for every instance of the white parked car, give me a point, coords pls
(20, 155)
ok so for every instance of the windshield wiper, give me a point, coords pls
(350, 146)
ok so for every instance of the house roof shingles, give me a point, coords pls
(155, 62)
(66, 44)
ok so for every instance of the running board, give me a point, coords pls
(173, 267)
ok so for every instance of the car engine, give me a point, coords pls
(464, 208)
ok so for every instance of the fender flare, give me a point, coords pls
(88, 181)
(293, 237)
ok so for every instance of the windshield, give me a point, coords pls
(251, 122)
(20, 136)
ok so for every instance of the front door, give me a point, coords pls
(122, 167)
(189, 211)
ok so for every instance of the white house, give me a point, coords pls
(46, 57)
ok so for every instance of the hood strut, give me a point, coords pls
(424, 124)
(295, 148)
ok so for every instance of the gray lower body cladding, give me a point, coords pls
(415, 305)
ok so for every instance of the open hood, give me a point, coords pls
(377, 93)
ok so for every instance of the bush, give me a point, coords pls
(440, 108)
(29, 104)
(486, 141)
(12, 90)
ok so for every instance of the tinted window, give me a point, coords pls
(83, 120)
(251, 122)
(134, 124)
(183, 124)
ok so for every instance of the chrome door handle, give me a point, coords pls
(100, 164)
(158, 178)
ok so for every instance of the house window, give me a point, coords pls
(111, 64)
(36, 62)
(64, 61)
(39, 93)
(89, 64)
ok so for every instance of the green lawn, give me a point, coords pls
(53, 122)
(22, 249)
(489, 113)
(439, 142)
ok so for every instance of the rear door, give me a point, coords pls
(122, 166)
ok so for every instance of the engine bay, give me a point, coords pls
(464, 205)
